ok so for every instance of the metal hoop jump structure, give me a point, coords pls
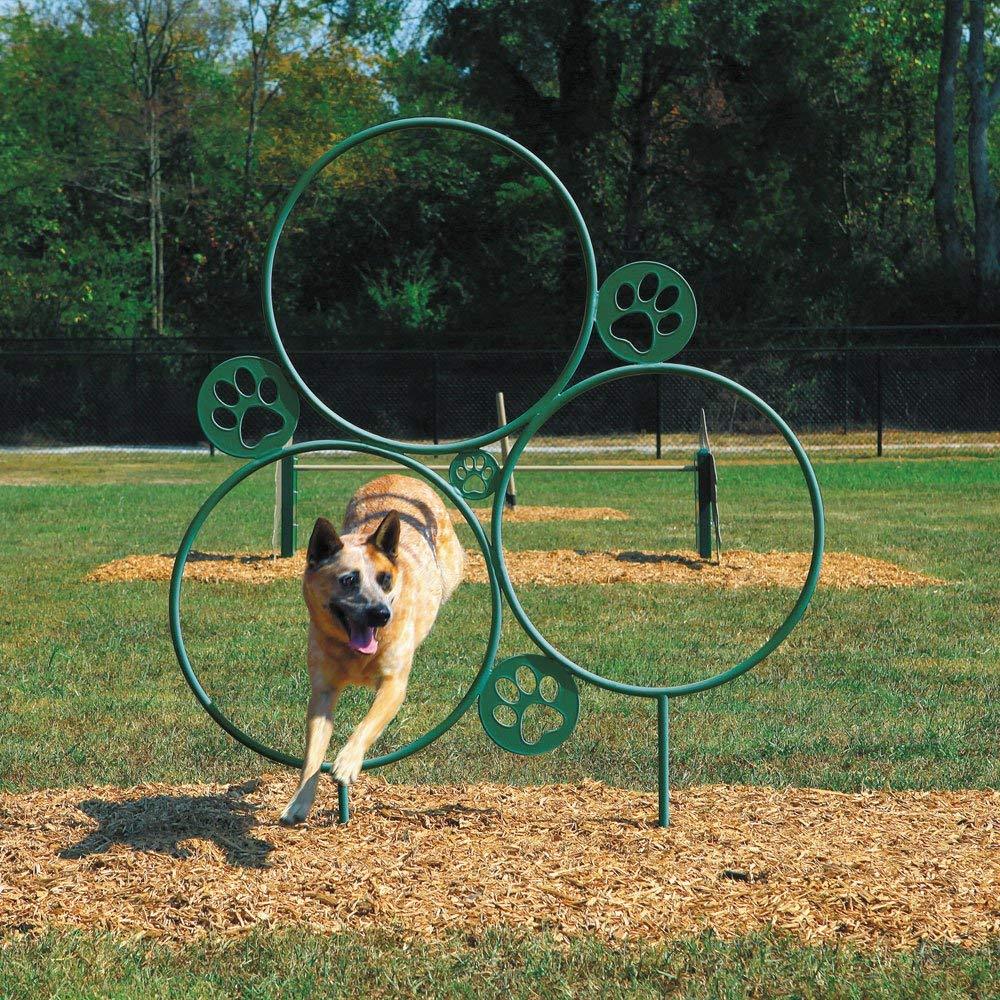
(505, 689)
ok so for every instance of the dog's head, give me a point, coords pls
(350, 588)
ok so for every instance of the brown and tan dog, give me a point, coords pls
(373, 593)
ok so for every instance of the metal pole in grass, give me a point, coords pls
(663, 758)
(705, 465)
(289, 496)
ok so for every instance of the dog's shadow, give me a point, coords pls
(160, 823)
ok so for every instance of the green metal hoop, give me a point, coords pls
(780, 633)
(590, 304)
(177, 576)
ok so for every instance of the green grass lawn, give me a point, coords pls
(877, 688)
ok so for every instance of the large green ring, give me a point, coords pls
(469, 444)
(778, 636)
(234, 480)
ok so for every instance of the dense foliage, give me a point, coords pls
(781, 155)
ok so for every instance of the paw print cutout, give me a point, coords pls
(530, 704)
(246, 407)
(645, 312)
(474, 474)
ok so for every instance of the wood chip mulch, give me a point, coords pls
(563, 567)
(879, 870)
(528, 514)
(566, 567)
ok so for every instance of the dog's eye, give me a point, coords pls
(349, 581)
(384, 580)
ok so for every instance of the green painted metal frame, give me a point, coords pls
(469, 458)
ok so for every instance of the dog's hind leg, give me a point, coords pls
(390, 695)
(319, 729)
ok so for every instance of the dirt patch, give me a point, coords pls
(564, 567)
(528, 514)
(879, 870)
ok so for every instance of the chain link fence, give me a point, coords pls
(853, 402)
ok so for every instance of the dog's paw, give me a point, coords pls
(293, 816)
(295, 812)
(347, 766)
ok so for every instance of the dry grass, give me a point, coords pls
(879, 869)
(563, 567)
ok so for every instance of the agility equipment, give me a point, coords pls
(702, 465)
(544, 677)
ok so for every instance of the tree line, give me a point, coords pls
(807, 165)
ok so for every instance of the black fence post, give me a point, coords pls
(434, 400)
(133, 436)
(846, 390)
(878, 404)
(659, 415)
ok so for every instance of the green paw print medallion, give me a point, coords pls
(246, 407)
(474, 474)
(645, 303)
(530, 704)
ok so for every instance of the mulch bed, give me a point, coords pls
(528, 514)
(878, 869)
(563, 567)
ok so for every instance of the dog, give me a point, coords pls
(373, 593)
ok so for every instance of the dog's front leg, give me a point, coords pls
(319, 729)
(389, 696)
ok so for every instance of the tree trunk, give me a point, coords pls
(155, 220)
(247, 228)
(984, 199)
(945, 217)
(637, 180)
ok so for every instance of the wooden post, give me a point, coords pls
(511, 498)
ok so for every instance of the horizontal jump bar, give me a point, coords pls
(361, 467)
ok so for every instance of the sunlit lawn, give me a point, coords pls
(876, 688)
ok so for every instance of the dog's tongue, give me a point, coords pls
(362, 639)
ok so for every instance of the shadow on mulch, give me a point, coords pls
(677, 558)
(246, 559)
(160, 823)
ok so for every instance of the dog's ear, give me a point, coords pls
(324, 543)
(386, 536)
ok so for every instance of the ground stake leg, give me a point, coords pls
(663, 759)
(343, 807)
